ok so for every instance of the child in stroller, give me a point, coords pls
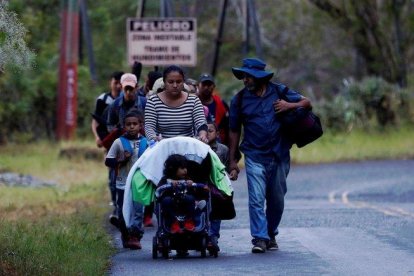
(182, 209)
(203, 166)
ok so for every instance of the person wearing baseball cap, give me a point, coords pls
(128, 99)
(266, 150)
(218, 109)
(206, 77)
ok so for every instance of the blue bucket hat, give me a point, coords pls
(254, 67)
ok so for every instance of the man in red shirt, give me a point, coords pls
(218, 109)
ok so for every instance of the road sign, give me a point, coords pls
(162, 41)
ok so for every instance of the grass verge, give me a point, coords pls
(76, 244)
(54, 230)
(358, 145)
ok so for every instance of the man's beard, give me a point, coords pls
(252, 87)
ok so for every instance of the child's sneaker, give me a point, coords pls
(189, 225)
(175, 227)
(148, 221)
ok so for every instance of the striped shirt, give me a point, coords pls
(169, 121)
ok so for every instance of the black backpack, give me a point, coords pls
(102, 127)
(300, 126)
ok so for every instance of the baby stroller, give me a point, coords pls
(184, 239)
(204, 166)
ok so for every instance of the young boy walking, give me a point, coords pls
(222, 152)
(121, 156)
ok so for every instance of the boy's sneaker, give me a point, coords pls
(189, 225)
(133, 243)
(272, 244)
(259, 246)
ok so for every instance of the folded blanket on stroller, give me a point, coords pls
(148, 170)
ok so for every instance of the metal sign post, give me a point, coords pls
(68, 71)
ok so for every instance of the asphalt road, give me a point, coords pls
(340, 219)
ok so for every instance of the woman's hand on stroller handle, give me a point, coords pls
(202, 136)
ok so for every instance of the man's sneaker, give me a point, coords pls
(259, 246)
(212, 245)
(133, 243)
(272, 244)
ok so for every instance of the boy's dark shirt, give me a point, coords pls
(222, 152)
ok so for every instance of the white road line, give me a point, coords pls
(331, 197)
(345, 197)
(395, 212)
(402, 211)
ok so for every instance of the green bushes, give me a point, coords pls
(370, 103)
(28, 105)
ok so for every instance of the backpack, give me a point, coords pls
(102, 130)
(300, 126)
(143, 144)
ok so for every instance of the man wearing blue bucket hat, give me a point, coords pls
(266, 151)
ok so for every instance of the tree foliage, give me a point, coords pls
(312, 45)
(13, 49)
(378, 33)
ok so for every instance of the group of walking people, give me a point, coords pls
(181, 108)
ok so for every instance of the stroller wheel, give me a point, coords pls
(154, 248)
(165, 253)
(203, 253)
(165, 249)
(203, 248)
